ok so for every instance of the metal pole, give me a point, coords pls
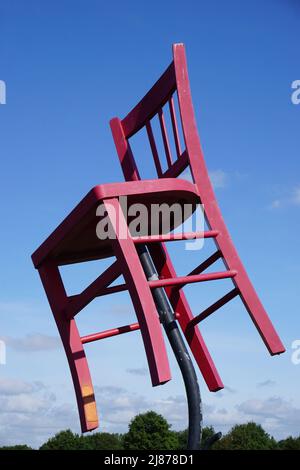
(167, 318)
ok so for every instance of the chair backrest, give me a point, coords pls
(159, 100)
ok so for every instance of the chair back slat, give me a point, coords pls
(154, 149)
(165, 137)
(174, 127)
(178, 166)
(151, 103)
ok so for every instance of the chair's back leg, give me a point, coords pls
(70, 337)
(232, 261)
(141, 295)
(212, 211)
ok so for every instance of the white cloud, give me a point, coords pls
(16, 307)
(225, 391)
(218, 178)
(35, 426)
(29, 413)
(117, 406)
(296, 196)
(142, 371)
(274, 407)
(222, 419)
(25, 403)
(276, 204)
(277, 416)
(10, 387)
(229, 389)
(292, 199)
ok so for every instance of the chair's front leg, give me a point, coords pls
(70, 337)
(141, 295)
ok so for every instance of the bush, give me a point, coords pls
(290, 443)
(103, 441)
(64, 440)
(182, 437)
(150, 431)
(17, 447)
(248, 436)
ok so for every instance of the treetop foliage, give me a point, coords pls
(151, 431)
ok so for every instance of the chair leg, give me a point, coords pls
(141, 295)
(180, 305)
(69, 334)
(246, 290)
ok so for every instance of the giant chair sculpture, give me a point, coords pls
(150, 278)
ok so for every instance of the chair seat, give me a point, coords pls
(75, 239)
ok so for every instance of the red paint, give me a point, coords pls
(170, 237)
(183, 280)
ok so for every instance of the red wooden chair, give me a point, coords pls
(75, 240)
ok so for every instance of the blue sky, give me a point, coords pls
(71, 66)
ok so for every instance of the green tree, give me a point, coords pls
(250, 436)
(103, 441)
(182, 436)
(150, 431)
(290, 443)
(207, 433)
(64, 440)
(17, 447)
